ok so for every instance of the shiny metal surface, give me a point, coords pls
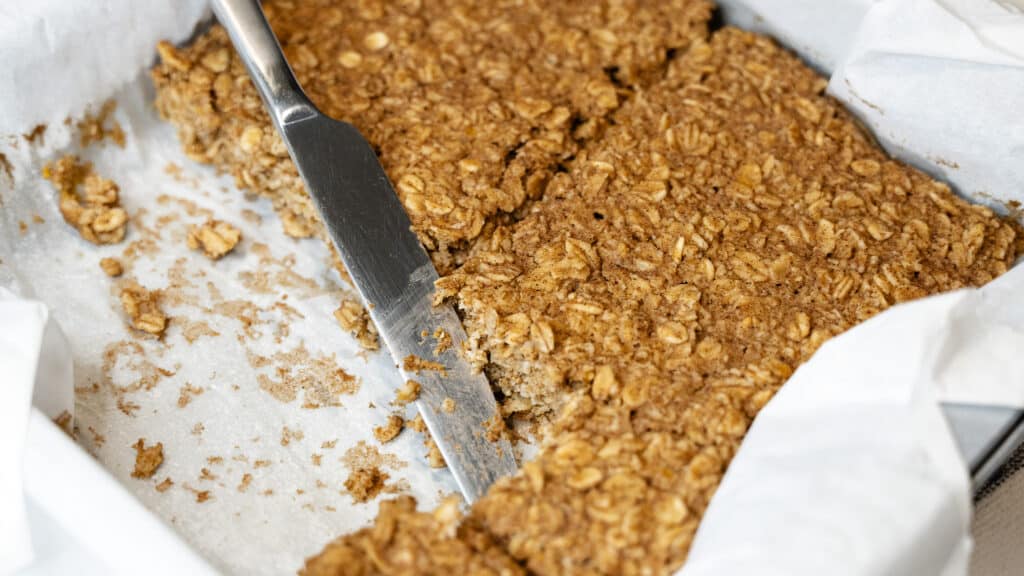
(373, 235)
(986, 435)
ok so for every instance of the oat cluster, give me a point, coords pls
(143, 309)
(88, 202)
(432, 543)
(646, 228)
(389, 431)
(364, 484)
(147, 459)
(215, 238)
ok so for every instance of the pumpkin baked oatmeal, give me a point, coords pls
(646, 228)
(729, 221)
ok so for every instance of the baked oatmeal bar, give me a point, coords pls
(470, 105)
(730, 220)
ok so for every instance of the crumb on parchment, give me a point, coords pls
(364, 484)
(390, 430)
(112, 267)
(143, 309)
(100, 126)
(147, 459)
(216, 238)
(408, 392)
(88, 202)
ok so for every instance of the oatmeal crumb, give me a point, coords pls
(147, 460)
(64, 422)
(364, 484)
(93, 127)
(216, 238)
(407, 393)
(448, 406)
(391, 430)
(165, 485)
(434, 457)
(353, 318)
(244, 484)
(413, 363)
(143, 309)
(444, 341)
(112, 267)
(88, 202)
(288, 435)
(187, 393)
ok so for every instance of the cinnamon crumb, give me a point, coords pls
(407, 393)
(413, 363)
(364, 484)
(112, 267)
(216, 238)
(391, 430)
(88, 202)
(147, 460)
(143, 309)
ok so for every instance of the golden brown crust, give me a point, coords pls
(731, 220)
(471, 105)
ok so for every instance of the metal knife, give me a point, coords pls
(386, 261)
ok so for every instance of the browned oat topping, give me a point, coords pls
(471, 104)
(216, 238)
(391, 430)
(147, 460)
(112, 267)
(404, 541)
(642, 252)
(96, 211)
(143, 309)
(666, 285)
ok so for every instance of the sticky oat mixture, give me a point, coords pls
(684, 249)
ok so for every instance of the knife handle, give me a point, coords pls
(257, 46)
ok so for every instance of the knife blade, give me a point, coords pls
(387, 264)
